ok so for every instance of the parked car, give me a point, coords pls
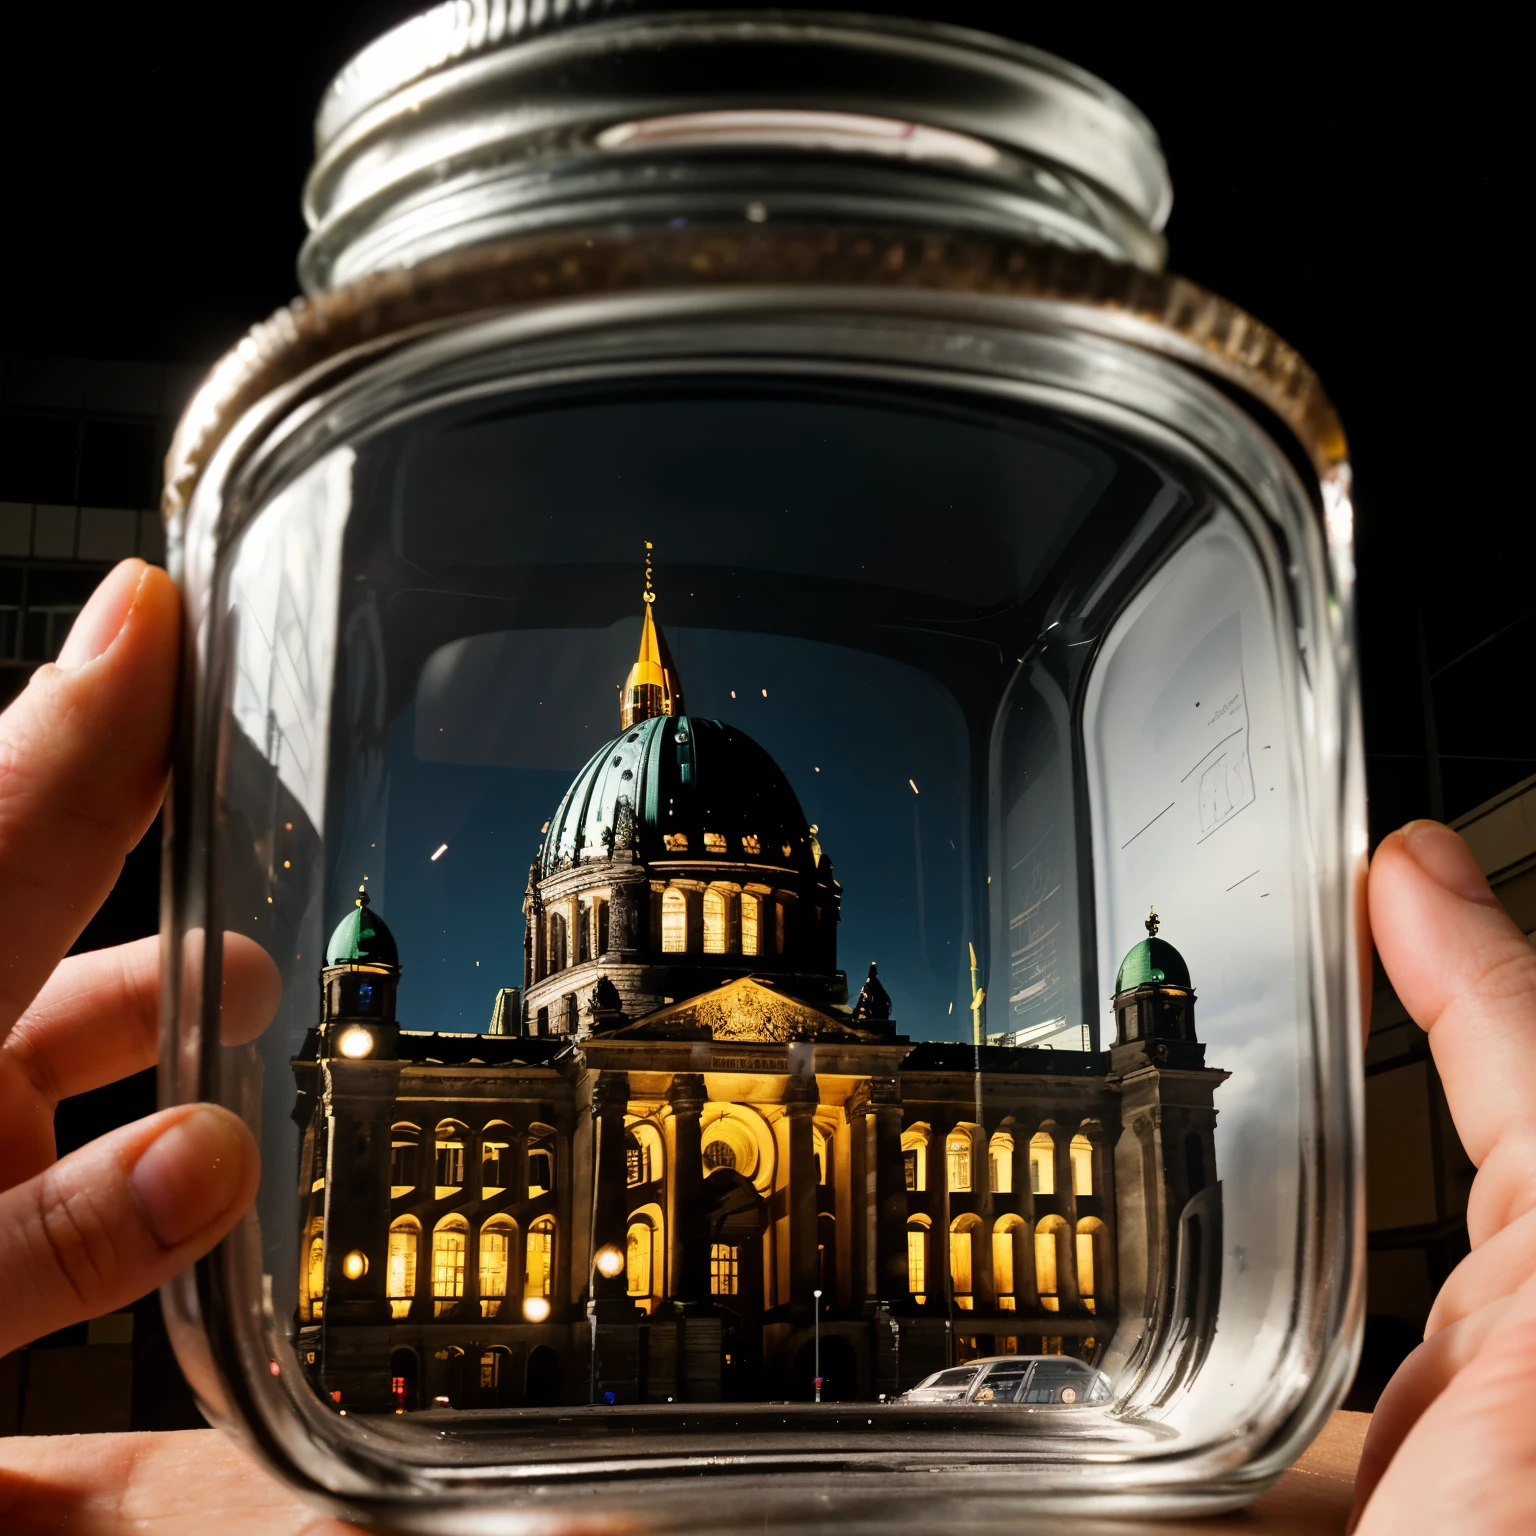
(1014, 1379)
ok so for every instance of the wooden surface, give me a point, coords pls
(196, 1481)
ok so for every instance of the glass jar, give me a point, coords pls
(894, 1056)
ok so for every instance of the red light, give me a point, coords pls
(274, 1367)
(335, 1397)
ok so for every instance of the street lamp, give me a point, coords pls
(817, 1295)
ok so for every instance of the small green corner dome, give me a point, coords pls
(362, 938)
(1152, 960)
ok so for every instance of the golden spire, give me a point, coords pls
(651, 687)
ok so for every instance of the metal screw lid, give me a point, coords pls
(484, 118)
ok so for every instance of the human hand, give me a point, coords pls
(84, 753)
(1452, 1445)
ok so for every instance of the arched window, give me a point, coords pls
(962, 1260)
(541, 1257)
(957, 1151)
(449, 1139)
(450, 1242)
(917, 1257)
(314, 1279)
(600, 926)
(1081, 1152)
(556, 941)
(674, 922)
(1042, 1163)
(1045, 1262)
(751, 919)
(400, 1264)
(724, 1269)
(1003, 1237)
(1000, 1163)
(583, 932)
(823, 1148)
(1194, 1163)
(495, 1263)
(1088, 1230)
(637, 1258)
(719, 1154)
(403, 1141)
(715, 936)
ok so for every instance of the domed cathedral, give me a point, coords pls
(679, 859)
(683, 1162)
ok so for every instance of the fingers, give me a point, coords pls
(1465, 972)
(119, 1217)
(97, 1017)
(1417, 1382)
(1496, 1269)
(83, 756)
(1469, 1461)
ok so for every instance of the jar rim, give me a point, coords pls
(433, 124)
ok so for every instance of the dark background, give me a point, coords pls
(1353, 184)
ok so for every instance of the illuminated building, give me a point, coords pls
(630, 1190)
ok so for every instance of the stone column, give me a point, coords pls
(687, 1231)
(802, 1209)
(609, 1103)
(890, 1192)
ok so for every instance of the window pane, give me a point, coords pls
(714, 923)
(674, 922)
(750, 907)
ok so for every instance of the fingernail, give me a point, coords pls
(1447, 860)
(189, 1176)
(100, 622)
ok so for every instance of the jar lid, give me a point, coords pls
(484, 118)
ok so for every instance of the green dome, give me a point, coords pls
(1152, 960)
(676, 786)
(361, 938)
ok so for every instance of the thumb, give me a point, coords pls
(117, 1218)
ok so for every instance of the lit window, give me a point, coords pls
(316, 1276)
(637, 1259)
(541, 1257)
(714, 922)
(556, 941)
(960, 1264)
(495, 1166)
(541, 1174)
(1082, 1165)
(495, 1258)
(917, 1261)
(637, 1162)
(1086, 1287)
(714, 842)
(1042, 1164)
(1051, 1344)
(450, 1160)
(674, 922)
(723, 1261)
(1002, 1262)
(402, 1160)
(450, 1242)
(751, 844)
(909, 1164)
(1045, 1262)
(786, 850)
(1000, 1163)
(958, 1150)
(751, 909)
(675, 842)
(719, 1154)
(400, 1265)
(778, 927)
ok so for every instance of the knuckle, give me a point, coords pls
(79, 1243)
